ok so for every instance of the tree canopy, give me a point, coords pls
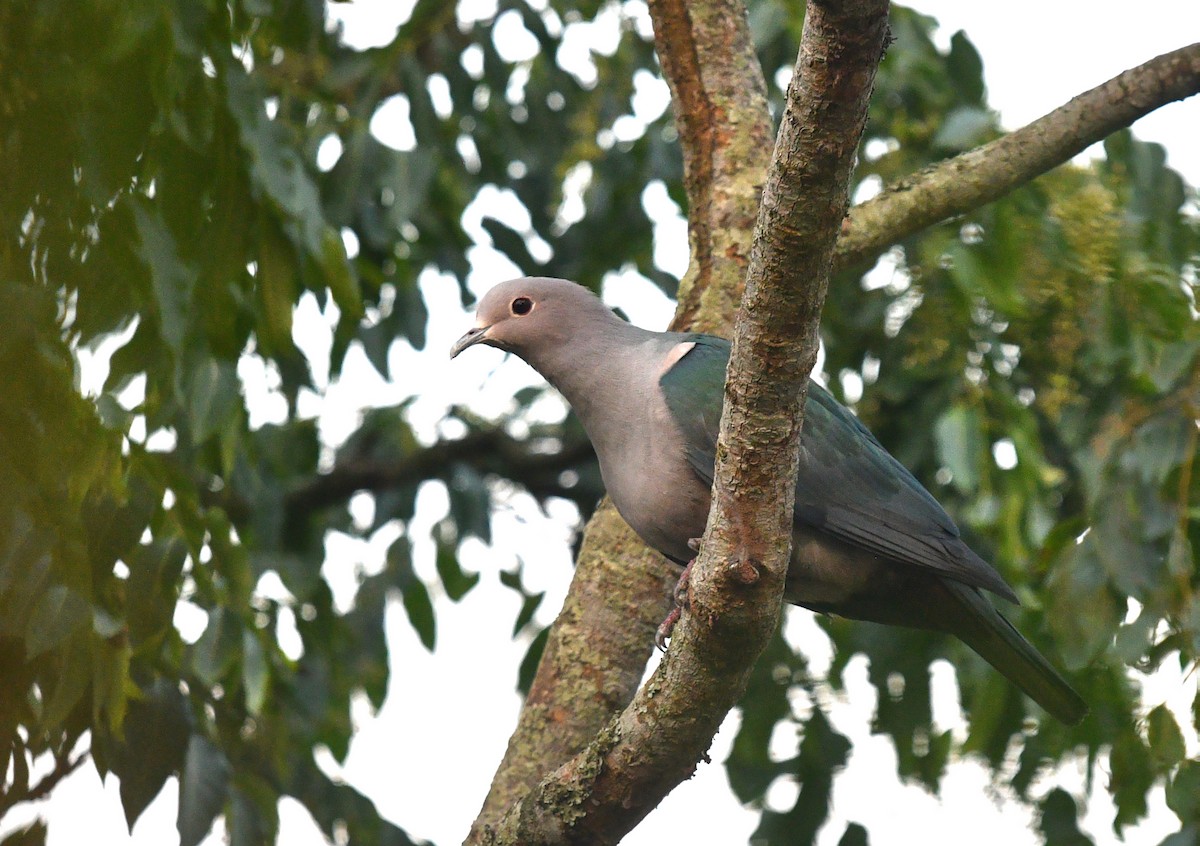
(169, 196)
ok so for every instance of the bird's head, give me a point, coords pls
(522, 315)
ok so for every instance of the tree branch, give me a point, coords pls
(986, 173)
(594, 658)
(598, 647)
(657, 741)
(488, 451)
(724, 127)
(64, 765)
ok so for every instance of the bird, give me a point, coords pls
(869, 542)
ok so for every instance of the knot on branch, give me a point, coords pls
(744, 571)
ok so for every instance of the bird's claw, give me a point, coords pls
(665, 628)
(680, 595)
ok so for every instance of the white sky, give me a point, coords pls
(428, 757)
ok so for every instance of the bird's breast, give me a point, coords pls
(656, 491)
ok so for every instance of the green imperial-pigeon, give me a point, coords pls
(869, 542)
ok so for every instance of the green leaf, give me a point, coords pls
(278, 289)
(1180, 559)
(172, 279)
(73, 682)
(156, 739)
(215, 651)
(455, 580)
(1059, 821)
(213, 398)
(57, 614)
(1183, 793)
(1132, 776)
(1186, 836)
(111, 685)
(965, 68)
(414, 594)
(1165, 738)
(854, 835)
(203, 788)
(419, 609)
(152, 587)
(253, 812)
(470, 503)
(339, 277)
(256, 672)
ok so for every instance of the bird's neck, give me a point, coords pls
(599, 371)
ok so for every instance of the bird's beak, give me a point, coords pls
(473, 336)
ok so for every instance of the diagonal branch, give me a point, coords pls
(977, 177)
(597, 649)
(656, 742)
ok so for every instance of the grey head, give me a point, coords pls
(545, 321)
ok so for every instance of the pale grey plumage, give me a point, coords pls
(869, 542)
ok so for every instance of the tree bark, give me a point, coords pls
(594, 658)
(597, 649)
(724, 126)
(656, 742)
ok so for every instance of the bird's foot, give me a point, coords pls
(665, 628)
(681, 601)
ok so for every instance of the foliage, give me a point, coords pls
(162, 198)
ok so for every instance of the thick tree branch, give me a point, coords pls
(657, 741)
(986, 173)
(597, 649)
(594, 658)
(720, 100)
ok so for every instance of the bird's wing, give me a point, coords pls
(848, 485)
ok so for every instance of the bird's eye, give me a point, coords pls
(521, 306)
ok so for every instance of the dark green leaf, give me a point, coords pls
(420, 612)
(1165, 738)
(203, 788)
(854, 835)
(156, 738)
(455, 580)
(1183, 793)
(1059, 822)
(256, 672)
(57, 614)
(216, 650)
(965, 68)
(171, 278)
(72, 682)
(253, 812)
(214, 398)
(1132, 777)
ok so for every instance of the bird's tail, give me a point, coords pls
(983, 629)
